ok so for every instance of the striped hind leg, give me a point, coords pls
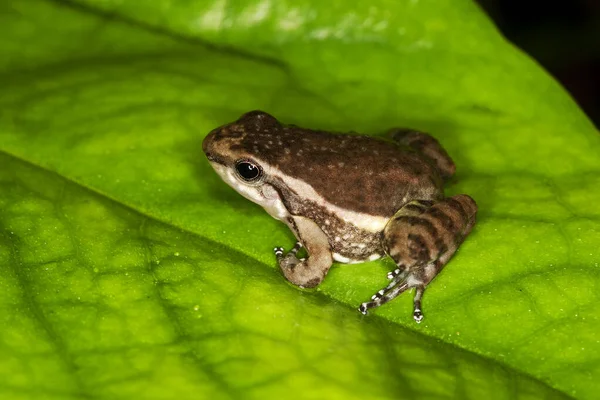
(421, 239)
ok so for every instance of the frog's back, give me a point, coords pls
(358, 173)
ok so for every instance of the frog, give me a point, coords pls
(348, 198)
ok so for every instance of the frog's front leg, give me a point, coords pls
(306, 272)
(421, 238)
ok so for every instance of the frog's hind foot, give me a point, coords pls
(390, 292)
(426, 145)
(397, 276)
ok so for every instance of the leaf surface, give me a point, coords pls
(129, 269)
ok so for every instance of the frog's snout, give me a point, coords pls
(208, 142)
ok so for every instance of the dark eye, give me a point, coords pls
(248, 171)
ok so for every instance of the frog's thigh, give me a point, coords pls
(312, 270)
(426, 145)
(423, 236)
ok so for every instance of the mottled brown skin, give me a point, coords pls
(351, 198)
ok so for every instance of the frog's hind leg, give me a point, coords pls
(421, 239)
(426, 145)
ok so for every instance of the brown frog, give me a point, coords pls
(348, 198)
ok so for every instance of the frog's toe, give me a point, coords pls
(398, 274)
(394, 273)
(296, 248)
(278, 252)
(363, 308)
(418, 315)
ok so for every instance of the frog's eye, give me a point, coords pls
(248, 171)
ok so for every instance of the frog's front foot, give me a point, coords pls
(302, 272)
(289, 260)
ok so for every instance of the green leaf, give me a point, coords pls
(128, 270)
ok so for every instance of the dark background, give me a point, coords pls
(563, 36)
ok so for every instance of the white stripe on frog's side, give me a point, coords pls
(340, 258)
(367, 222)
(271, 201)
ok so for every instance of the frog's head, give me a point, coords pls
(249, 134)
(242, 153)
